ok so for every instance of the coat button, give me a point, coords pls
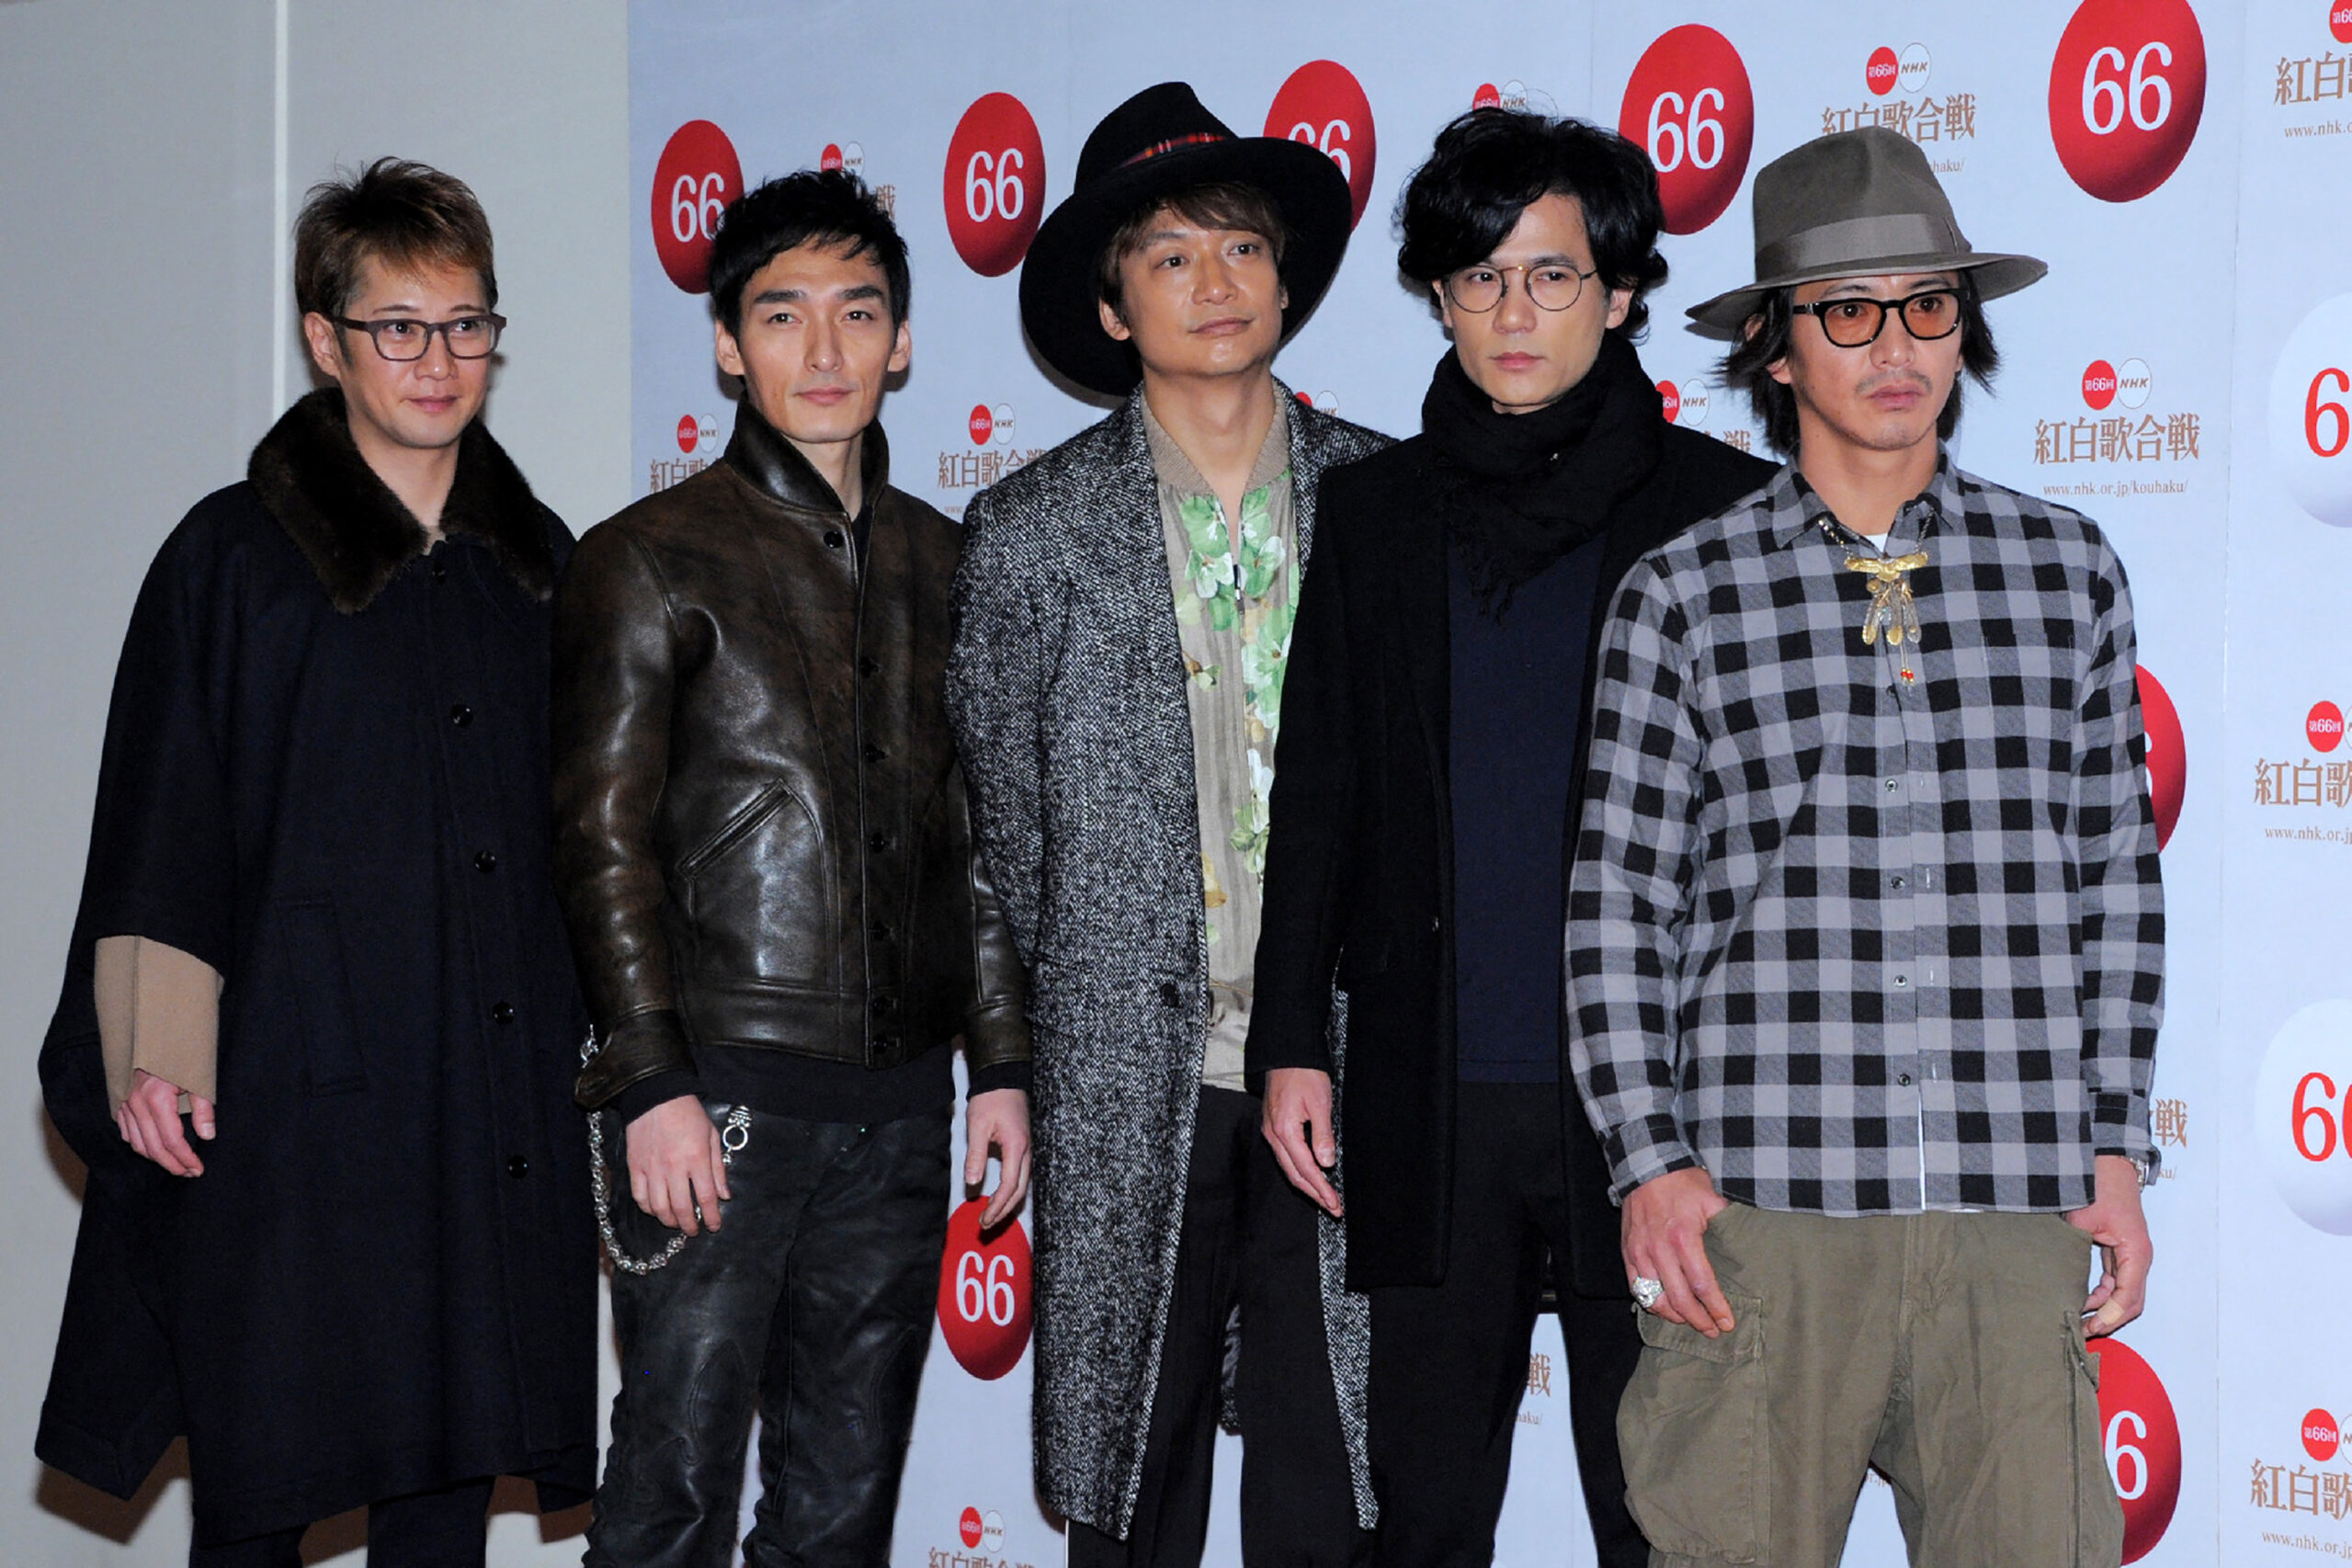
(460, 715)
(440, 572)
(875, 754)
(885, 1044)
(486, 861)
(502, 1013)
(1170, 995)
(833, 539)
(869, 665)
(884, 931)
(518, 1167)
(878, 842)
(885, 1005)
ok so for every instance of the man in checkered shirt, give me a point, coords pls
(1865, 936)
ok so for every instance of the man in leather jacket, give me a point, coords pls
(765, 859)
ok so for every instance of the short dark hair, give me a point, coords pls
(828, 206)
(1219, 205)
(401, 213)
(1748, 366)
(1490, 164)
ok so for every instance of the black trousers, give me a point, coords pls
(813, 1301)
(431, 1529)
(1449, 1362)
(1248, 1241)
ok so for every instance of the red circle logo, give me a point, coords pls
(2324, 726)
(1880, 74)
(2339, 20)
(2320, 1435)
(994, 186)
(2168, 755)
(2142, 1440)
(968, 1527)
(2127, 89)
(1324, 106)
(831, 157)
(2098, 383)
(985, 1291)
(689, 431)
(1689, 104)
(696, 176)
(983, 424)
(1670, 399)
(1487, 96)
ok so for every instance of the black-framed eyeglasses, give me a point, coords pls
(1552, 285)
(402, 338)
(1856, 320)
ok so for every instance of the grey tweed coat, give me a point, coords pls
(1065, 686)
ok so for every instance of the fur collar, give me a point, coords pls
(355, 531)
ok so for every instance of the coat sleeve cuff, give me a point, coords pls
(637, 1048)
(997, 1075)
(995, 1034)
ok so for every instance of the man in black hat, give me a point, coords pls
(1866, 934)
(1123, 611)
(1460, 588)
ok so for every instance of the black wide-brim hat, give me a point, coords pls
(1855, 204)
(1158, 142)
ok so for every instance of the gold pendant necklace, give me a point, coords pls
(1892, 611)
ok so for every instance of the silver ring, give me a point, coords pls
(1648, 1292)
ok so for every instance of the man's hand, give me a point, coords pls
(2115, 1222)
(676, 1162)
(998, 1120)
(1297, 1123)
(1664, 1220)
(149, 1122)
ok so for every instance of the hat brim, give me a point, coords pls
(1727, 314)
(1058, 280)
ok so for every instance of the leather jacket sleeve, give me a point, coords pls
(996, 1029)
(610, 717)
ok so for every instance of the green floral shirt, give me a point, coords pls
(1236, 601)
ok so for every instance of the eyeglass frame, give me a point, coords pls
(1902, 307)
(497, 330)
(1582, 277)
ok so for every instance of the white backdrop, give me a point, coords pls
(2179, 165)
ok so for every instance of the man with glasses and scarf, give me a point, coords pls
(1434, 713)
(1866, 935)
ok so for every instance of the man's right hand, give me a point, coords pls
(1664, 1220)
(676, 1162)
(1297, 1123)
(149, 1122)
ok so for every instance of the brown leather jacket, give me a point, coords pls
(760, 831)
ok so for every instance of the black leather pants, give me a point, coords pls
(813, 1301)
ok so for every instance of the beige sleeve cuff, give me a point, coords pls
(159, 1010)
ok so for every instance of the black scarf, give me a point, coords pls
(1522, 489)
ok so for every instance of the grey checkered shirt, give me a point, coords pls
(1859, 945)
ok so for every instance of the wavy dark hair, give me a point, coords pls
(1490, 164)
(1748, 367)
(828, 206)
(404, 214)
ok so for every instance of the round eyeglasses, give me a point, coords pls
(1856, 320)
(402, 338)
(1552, 285)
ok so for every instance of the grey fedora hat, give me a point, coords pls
(1855, 204)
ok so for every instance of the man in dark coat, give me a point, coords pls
(318, 920)
(1122, 611)
(1432, 743)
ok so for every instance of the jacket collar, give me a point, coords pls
(357, 535)
(776, 468)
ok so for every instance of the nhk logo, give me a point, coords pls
(2105, 383)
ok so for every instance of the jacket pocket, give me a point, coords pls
(1695, 1436)
(758, 895)
(2098, 1513)
(320, 989)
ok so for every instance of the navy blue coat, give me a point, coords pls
(325, 775)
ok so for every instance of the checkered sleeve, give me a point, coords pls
(2122, 898)
(1629, 887)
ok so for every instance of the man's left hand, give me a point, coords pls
(2114, 1220)
(998, 1120)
